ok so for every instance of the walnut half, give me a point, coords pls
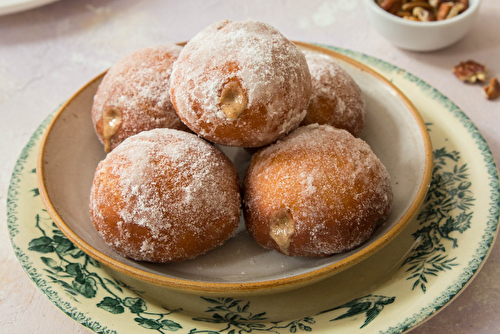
(470, 71)
(492, 91)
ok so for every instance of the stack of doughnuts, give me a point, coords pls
(164, 193)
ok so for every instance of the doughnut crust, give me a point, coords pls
(134, 96)
(241, 84)
(165, 195)
(318, 192)
(335, 98)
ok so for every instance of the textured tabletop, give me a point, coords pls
(47, 53)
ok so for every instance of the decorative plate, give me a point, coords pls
(397, 288)
(15, 6)
(70, 152)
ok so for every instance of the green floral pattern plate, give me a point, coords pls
(397, 288)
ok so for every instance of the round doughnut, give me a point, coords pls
(134, 96)
(165, 195)
(241, 84)
(318, 192)
(335, 98)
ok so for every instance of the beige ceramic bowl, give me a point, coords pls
(70, 152)
(421, 36)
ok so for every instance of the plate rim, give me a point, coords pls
(258, 287)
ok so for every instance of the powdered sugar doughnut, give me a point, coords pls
(317, 192)
(335, 99)
(134, 96)
(165, 195)
(241, 84)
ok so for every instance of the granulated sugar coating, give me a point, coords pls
(165, 195)
(241, 84)
(318, 192)
(335, 99)
(134, 96)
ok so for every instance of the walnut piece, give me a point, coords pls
(424, 10)
(465, 3)
(391, 6)
(455, 10)
(435, 3)
(492, 91)
(423, 14)
(443, 10)
(470, 71)
(412, 5)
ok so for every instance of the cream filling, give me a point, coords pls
(282, 230)
(111, 119)
(233, 100)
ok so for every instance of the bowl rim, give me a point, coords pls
(258, 287)
(371, 4)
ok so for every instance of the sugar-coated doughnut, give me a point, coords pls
(165, 195)
(335, 98)
(134, 96)
(241, 84)
(317, 192)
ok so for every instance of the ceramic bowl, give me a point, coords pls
(421, 36)
(70, 152)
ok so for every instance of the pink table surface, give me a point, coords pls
(47, 53)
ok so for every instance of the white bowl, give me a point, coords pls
(421, 36)
(70, 152)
